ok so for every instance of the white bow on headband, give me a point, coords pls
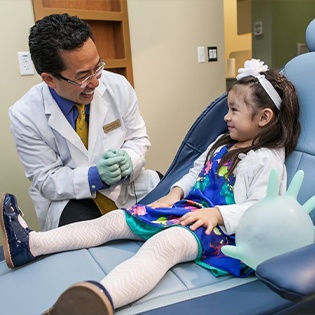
(253, 68)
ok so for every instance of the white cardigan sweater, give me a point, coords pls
(252, 175)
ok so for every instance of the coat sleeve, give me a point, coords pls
(36, 144)
(252, 176)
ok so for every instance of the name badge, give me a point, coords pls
(112, 126)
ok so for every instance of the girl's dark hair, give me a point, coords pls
(53, 34)
(282, 131)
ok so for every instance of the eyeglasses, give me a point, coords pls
(88, 79)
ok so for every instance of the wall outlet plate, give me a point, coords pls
(25, 63)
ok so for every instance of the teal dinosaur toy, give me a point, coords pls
(274, 225)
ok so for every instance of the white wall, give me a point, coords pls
(16, 17)
(172, 87)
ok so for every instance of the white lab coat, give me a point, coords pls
(55, 159)
(251, 182)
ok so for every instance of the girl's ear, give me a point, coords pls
(266, 116)
(48, 79)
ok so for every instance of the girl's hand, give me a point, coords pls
(206, 217)
(168, 200)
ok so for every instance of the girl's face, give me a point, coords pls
(242, 123)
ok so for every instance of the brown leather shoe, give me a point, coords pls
(83, 298)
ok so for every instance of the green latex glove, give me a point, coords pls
(108, 167)
(126, 166)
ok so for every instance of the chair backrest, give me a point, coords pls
(301, 72)
(205, 129)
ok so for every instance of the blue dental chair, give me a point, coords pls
(283, 285)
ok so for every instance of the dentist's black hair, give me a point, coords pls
(52, 35)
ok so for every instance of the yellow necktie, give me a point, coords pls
(81, 125)
(103, 203)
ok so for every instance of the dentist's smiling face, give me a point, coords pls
(80, 64)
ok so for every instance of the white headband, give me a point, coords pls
(253, 68)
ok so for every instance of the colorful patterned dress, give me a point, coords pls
(212, 188)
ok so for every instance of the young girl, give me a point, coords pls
(198, 216)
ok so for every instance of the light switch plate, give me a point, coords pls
(201, 54)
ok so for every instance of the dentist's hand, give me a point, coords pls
(126, 166)
(108, 167)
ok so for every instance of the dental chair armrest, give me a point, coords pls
(291, 275)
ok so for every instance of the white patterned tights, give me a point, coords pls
(136, 276)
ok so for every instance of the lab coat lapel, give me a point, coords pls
(58, 121)
(98, 111)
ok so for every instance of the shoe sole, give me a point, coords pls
(82, 299)
(5, 241)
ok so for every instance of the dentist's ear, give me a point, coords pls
(266, 116)
(49, 79)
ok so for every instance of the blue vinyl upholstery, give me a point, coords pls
(292, 275)
(301, 71)
(187, 288)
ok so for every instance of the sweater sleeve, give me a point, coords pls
(252, 176)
